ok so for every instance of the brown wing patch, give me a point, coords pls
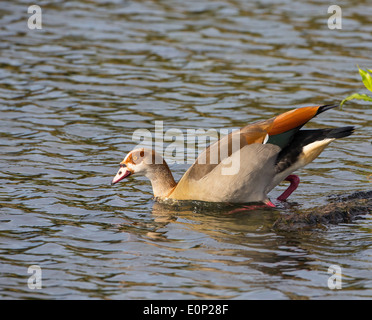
(253, 133)
(256, 132)
(292, 119)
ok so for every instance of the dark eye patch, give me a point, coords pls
(137, 157)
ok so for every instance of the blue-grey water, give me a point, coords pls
(73, 93)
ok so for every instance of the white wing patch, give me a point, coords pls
(312, 150)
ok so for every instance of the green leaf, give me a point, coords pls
(366, 78)
(357, 96)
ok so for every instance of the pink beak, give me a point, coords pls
(122, 173)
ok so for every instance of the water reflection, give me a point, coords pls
(199, 238)
(71, 96)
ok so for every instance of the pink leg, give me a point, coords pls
(268, 203)
(294, 180)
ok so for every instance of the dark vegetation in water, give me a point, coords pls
(341, 209)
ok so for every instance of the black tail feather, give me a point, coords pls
(291, 152)
(340, 132)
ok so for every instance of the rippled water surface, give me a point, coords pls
(71, 96)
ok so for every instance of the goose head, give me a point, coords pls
(139, 161)
(147, 163)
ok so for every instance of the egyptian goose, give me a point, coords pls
(265, 153)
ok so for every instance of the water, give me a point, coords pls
(71, 96)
